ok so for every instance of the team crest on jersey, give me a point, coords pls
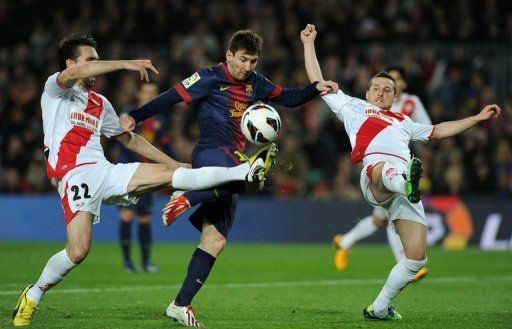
(248, 89)
(191, 80)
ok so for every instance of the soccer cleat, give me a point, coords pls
(130, 268)
(412, 180)
(341, 255)
(150, 268)
(420, 275)
(256, 172)
(267, 154)
(369, 313)
(176, 206)
(24, 310)
(183, 314)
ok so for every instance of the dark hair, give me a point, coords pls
(383, 74)
(246, 40)
(399, 69)
(69, 47)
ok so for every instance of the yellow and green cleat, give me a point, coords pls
(369, 313)
(412, 180)
(267, 153)
(24, 310)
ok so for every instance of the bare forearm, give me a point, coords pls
(142, 147)
(311, 62)
(452, 128)
(71, 75)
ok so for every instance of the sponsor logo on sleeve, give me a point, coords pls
(191, 80)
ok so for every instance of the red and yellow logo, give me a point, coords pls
(238, 110)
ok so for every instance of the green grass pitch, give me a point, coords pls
(262, 286)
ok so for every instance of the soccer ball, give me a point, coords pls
(261, 124)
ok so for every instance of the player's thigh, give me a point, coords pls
(414, 238)
(379, 191)
(79, 235)
(149, 176)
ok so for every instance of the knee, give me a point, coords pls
(379, 222)
(78, 253)
(214, 245)
(126, 215)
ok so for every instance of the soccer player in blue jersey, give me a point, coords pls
(222, 93)
(152, 132)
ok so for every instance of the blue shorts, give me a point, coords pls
(144, 207)
(220, 212)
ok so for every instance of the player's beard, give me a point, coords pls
(88, 83)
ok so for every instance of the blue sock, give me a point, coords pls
(145, 242)
(125, 232)
(197, 197)
(198, 269)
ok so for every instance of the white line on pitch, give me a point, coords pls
(242, 285)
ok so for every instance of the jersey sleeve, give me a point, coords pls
(196, 86)
(419, 132)
(268, 89)
(337, 102)
(420, 113)
(53, 88)
(110, 126)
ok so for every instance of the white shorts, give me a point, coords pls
(380, 212)
(86, 188)
(398, 207)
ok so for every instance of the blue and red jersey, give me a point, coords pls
(222, 100)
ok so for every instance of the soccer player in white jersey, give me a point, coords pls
(380, 139)
(411, 106)
(74, 117)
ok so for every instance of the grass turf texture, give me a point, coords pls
(262, 286)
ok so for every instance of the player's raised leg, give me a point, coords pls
(414, 239)
(79, 242)
(388, 179)
(151, 177)
(181, 201)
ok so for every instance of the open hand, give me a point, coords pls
(141, 65)
(308, 35)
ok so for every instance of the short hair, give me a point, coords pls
(399, 69)
(246, 40)
(69, 47)
(383, 74)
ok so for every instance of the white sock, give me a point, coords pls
(392, 178)
(207, 177)
(364, 228)
(400, 276)
(55, 270)
(395, 243)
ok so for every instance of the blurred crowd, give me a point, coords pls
(455, 53)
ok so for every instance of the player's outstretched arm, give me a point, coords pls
(142, 147)
(72, 74)
(452, 128)
(308, 36)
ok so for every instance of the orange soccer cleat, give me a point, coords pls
(176, 206)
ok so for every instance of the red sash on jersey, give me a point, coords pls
(367, 132)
